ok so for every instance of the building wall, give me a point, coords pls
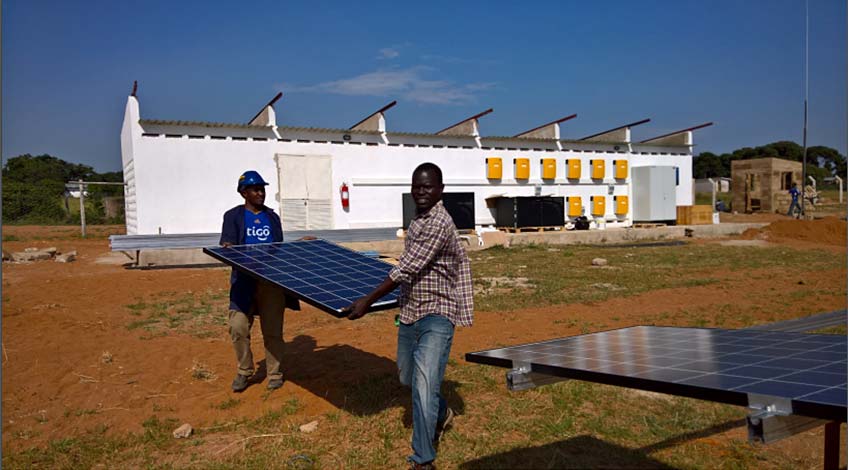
(704, 185)
(184, 176)
(768, 176)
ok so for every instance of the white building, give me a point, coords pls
(704, 185)
(181, 176)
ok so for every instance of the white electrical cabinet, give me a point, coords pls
(654, 193)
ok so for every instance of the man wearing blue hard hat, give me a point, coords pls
(246, 224)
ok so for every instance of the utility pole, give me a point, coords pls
(82, 185)
(806, 97)
(82, 206)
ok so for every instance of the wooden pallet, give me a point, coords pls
(695, 215)
(530, 229)
(648, 225)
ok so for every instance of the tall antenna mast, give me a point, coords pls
(806, 97)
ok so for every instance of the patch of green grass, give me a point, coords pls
(197, 314)
(561, 277)
(157, 432)
(227, 404)
(84, 412)
(273, 419)
(141, 323)
(88, 450)
(707, 198)
(11, 238)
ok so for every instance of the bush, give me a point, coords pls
(34, 186)
(37, 203)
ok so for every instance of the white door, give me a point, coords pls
(305, 191)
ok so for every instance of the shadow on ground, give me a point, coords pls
(590, 452)
(357, 381)
(577, 452)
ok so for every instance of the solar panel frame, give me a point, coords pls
(296, 267)
(665, 360)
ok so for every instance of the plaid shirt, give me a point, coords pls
(434, 271)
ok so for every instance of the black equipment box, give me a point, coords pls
(460, 206)
(530, 211)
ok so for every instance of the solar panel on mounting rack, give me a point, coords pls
(323, 274)
(710, 364)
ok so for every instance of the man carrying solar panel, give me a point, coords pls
(247, 224)
(436, 295)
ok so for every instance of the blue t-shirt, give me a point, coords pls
(257, 228)
(794, 193)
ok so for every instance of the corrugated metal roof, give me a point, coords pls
(325, 130)
(521, 139)
(426, 134)
(583, 142)
(162, 122)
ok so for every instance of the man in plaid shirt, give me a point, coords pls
(436, 295)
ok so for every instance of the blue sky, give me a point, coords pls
(69, 66)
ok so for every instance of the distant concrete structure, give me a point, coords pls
(112, 206)
(762, 184)
(703, 185)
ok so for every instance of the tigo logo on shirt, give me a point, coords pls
(261, 234)
(257, 228)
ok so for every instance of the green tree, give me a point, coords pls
(821, 161)
(33, 202)
(828, 158)
(28, 169)
(33, 187)
(707, 165)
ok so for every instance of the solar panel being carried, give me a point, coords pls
(728, 366)
(325, 275)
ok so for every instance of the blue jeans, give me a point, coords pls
(793, 208)
(423, 349)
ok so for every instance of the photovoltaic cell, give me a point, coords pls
(322, 274)
(710, 364)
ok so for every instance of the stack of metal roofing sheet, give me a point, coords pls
(200, 240)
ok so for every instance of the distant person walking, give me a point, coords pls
(436, 295)
(246, 224)
(794, 208)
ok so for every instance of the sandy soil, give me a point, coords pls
(59, 319)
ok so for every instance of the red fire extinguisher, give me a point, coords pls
(345, 196)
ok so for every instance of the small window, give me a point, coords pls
(677, 176)
(786, 181)
(752, 181)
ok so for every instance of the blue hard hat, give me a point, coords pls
(250, 178)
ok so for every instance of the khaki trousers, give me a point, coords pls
(269, 303)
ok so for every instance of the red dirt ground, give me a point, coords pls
(58, 319)
(826, 231)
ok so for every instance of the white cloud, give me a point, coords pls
(457, 60)
(410, 84)
(388, 53)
